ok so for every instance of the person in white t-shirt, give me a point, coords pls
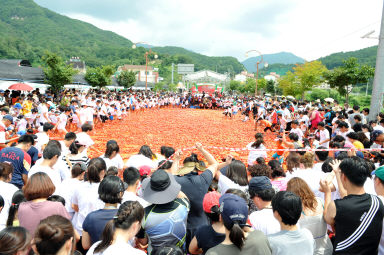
(50, 156)
(131, 177)
(42, 137)
(323, 135)
(126, 225)
(86, 197)
(68, 187)
(261, 192)
(62, 121)
(6, 191)
(43, 111)
(295, 129)
(112, 156)
(143, 158)
(83, 114)
(84, 137)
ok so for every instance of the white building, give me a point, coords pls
(152, 75)
(243, 76)
(272, 76)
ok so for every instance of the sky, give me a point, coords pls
(307, 28)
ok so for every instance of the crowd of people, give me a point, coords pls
(322, 196)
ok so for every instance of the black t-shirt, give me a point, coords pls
(195, 187)
(207, 237)
(358, 224)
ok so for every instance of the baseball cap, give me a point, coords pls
(210, 200)
(233, 209)
(144, 170)
(260, 183)
(379, 172)
(8, 117)
(81, 141)
(18, 106)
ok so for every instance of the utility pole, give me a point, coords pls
(173, 67)
(378, 82)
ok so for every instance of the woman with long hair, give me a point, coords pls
(112, 156)
(15, 241)
(55, 235)
(257, 144)
(236, 177)
(120, 230)
(312, 215)
(6, 191)
(234, 212)
(145, 157)
(17, 199)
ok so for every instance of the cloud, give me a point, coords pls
(309, 29)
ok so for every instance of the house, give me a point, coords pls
(243, 76)
(20, 70)
(77, 64)
(151, 77)
(272, 76)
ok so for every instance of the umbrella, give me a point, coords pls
(20, 86)
(331, 100)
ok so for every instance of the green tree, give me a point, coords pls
(343, 78)
(270, 87)
(234, 85)
(99, 76)
(261, 84)
(250, 86)
(126, 79)
(308, 75)
(57, 73)
(172, 87)
(159, 86)
(302, 79)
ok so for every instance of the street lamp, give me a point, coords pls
(257, 66)
(146, 61)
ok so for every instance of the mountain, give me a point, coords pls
(366, 56)
(29, 30)
(221, 64)
(277, 58)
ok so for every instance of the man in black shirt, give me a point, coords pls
(357, 216)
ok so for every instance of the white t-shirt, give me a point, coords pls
(298, 132)
(43, 111)
(62, 121)
(116, 249)
(140, 160)
(42, 140)
(84, 137)
(67, 190)
(312, 177)
(324, 135)
(264, 221)
(89, 114)
(6, 191)
(117, 161)
(225, 183)
(86, 197)
(51, 172)
(253, 155)
(130, 196)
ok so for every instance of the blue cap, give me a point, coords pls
(233, 209)
(259, 183)
(18, 106)
(8, 117)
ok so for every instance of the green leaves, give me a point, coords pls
(57, 73)
(126, 79)
(100, 76)
(350, 73)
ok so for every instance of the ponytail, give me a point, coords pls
(258, 142)
(74, 148)
(93, 174)
(12, 214)
(236, 235)
(106, 237)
